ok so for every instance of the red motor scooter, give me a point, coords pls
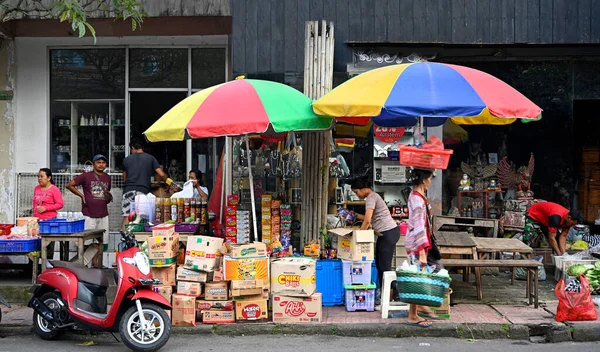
(70, 295)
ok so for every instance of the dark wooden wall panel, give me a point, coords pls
(268, 35)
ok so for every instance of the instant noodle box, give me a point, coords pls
(216, 291)
(218, 317)
(297, 309)
(354, 244)
(214, 305)
(241, 251)
(251, 309)
(246, 273)
(189, 288)
(203, 253)
(293, 276)
(163, 230)
(166, 275)
(184, 310)
(163, 250)
(184, 274)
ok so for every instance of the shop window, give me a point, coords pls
(205, 157)
(87, 108)
(87, 74)
(208, 67)
(158, 68)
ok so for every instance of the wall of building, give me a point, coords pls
(268, 35)
(7, 133)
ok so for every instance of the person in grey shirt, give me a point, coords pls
(378, 216)
(138, 169)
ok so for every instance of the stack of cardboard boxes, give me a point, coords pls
(246, 267)
(293, 285)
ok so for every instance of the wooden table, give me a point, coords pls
(33, 256)
(460, 243)
(488, 247)
(440, 221)
(79, 238)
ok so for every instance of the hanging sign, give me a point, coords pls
(388, 134)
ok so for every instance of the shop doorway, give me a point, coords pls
(586, 124)
(145, 109)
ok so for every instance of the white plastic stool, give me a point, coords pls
(386, 305)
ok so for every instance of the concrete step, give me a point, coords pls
(16, 290)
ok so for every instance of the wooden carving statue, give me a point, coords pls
(479, 173)
(520, 179)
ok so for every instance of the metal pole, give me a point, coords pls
(223, 180)
(251, 179)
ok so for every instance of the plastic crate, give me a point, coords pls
(357, 272)
(61, 226)
(20, 246)
(425, 158)
(375, 277)
(360, 297)
(329, 282)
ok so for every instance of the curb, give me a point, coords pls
(393, 330)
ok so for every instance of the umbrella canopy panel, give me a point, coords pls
(398, 95)
(238, 107)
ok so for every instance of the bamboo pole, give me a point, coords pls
(322, 58)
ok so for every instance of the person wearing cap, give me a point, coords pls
(556, 219)
(95, 196)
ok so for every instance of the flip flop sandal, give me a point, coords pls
(421, 323)
(427, 315)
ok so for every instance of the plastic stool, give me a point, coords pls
(386, 305)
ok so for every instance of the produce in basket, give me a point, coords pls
(593, 276)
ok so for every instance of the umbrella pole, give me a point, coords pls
(251, 179)
(223, 180)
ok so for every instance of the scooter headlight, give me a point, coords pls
(142, 262)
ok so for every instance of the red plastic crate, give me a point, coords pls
(425, 158)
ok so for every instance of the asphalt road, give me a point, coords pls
(293, 343)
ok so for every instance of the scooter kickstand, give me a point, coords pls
(113, 335)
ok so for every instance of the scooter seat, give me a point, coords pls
(92, 276)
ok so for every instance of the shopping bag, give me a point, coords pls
(575, 306)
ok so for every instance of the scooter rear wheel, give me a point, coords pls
(41, 327)
(154, 338)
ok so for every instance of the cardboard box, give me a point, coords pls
(203, 253)
(214, 305)
(184, 310)
(251, 309)
(250, 292)
(354, 244)
(246, 273)
(216, 291)
(218, 317)
(297, 309)
(293, 276)
(189, 288)
(184, 274)
(240, 251)
(163, 250)
(163, 230)
(166, 275)
(218, 275)
(165, 291)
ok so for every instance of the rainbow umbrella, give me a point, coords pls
(398, 95)
(454, 134)
(242, 106)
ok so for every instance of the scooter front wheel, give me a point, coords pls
(149, 338)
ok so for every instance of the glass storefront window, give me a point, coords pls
(208, 67)
(87, 89)
(87, 74)
(158, 68)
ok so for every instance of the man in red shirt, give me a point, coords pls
(554, 217)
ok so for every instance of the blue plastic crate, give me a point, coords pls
(61, 226)
(360, 297)
(357, 272)
(20, 246)
(375, 277)
(329, 281)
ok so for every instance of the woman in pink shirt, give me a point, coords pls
(47, 198)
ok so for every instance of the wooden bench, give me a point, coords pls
(532, 267)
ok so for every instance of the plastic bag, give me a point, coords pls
(575, 306)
